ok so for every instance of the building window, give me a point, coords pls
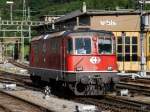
(127, 48)
(149, 44)
(84, 21)
(127, 40)
(120, 57)
(120, 49)
(119, 40)
(134, 47)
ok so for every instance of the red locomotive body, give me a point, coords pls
(83, 60)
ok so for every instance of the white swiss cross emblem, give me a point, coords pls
(95, 60)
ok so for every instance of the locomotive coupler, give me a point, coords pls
(94, 85)
(95, 80)
(92, 80)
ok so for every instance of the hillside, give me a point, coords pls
(45, 7)
(64, 6)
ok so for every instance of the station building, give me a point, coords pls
(125, 24)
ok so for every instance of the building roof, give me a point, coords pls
(69, 16)
(96, 12)
(52, 15)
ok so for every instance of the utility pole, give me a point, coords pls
(143, 60)
(24, 10)
(142, 28)
(22, 36)
(28, 14)
(11, 5)
(123, 50)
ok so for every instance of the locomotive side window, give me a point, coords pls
(104, 45)
(69, 46)
(83, 45)
(36, 52)
(54, 45)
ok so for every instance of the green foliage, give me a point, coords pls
(26, 50)
(46, 7)
(64, 6)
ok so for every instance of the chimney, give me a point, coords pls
(53, 24)
(84, 7)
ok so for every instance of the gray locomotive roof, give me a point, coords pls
(63, 33)
(45, 36)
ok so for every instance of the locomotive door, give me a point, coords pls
(62, 57)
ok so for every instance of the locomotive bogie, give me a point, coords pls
(99, 83)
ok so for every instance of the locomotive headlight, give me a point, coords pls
(109, 68)
(79, 68)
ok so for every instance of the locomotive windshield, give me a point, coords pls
(105, 44)
(82, 45)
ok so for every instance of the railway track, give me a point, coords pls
(21, 65)
(139, 85)
(121, 104)
(26, 88)
(111, 103)
(116, 104)
(107, 103)
(14, 76)
(10, 103)
(19, 80)
(134, 87)
(137, 80)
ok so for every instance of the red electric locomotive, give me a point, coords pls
(83, 60)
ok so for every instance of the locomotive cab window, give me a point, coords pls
(82, 45)
(69, 46)
(104, 45)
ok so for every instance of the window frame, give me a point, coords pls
(124, 53)
(74, 46)
(73, 40)
(120, 44)
(67, 45)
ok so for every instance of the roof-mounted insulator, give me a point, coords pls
(81, 28)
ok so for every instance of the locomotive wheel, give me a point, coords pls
(80, 88)
(36, 80)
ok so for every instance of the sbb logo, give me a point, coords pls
(95, 60)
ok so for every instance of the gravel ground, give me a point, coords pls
(52, 103)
